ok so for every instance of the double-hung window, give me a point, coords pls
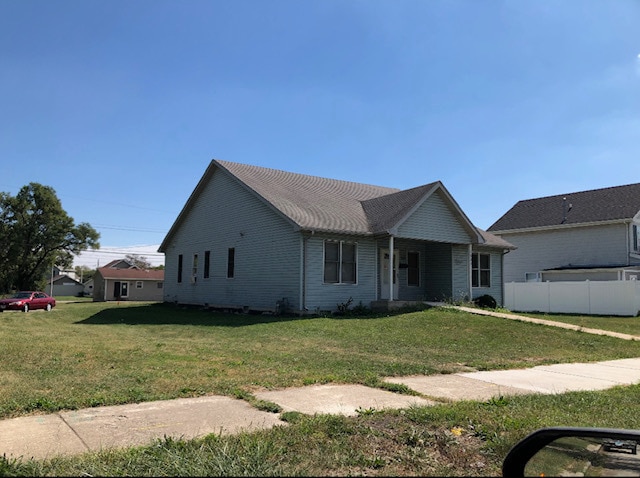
(340, 262)
(480, 270)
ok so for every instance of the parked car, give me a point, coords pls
(28, 300)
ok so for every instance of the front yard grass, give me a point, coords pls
(89, 354)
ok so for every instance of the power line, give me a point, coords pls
(137, 253)
(126, 228)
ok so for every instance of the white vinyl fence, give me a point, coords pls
(588, 297)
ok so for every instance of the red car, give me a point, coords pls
(28, 300)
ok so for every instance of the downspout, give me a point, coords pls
(629, 233)
(470, 272)
(391, 265)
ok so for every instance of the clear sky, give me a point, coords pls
(121, 105)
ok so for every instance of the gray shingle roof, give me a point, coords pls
(330, 205)
(596, 205)
(311, 202)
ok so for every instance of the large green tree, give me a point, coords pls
(35, 234)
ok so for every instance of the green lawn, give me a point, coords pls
(90, 354)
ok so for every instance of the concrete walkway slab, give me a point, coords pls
(38, 436)
(338, 399)
(619, 375)
(541, 381)
(93, 429)
(633, 363)
(453, 387)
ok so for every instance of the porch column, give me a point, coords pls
(391, 271)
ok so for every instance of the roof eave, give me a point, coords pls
(560, 226)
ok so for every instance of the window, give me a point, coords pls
(194, 268)
(413, 268)
(207, 261)
(231, 262)
(480, 270)
(339, 262)
(159, 285)
(139, 284)
(179, 268)
(636, 239)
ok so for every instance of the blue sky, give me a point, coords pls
(121, 105)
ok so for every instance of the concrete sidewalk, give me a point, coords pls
(93, 429)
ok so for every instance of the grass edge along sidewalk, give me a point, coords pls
(551, 323)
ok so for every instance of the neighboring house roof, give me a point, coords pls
(63, 277)
(495, 241)
(318, 204)
(131, 274)
(120, 264)
(619, 203)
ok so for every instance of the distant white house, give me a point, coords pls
(576, 236)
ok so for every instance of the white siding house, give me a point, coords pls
(573, 237)
(254, 238)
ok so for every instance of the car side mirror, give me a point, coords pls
(569, 451)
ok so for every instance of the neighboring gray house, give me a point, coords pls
(254, 238)
(578, 236)
(120, 280)
(63, 285)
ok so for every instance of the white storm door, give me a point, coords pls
(384, 273)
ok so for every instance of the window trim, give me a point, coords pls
(476, 273)
(139, 284)
(340, 263)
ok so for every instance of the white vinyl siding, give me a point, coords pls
(571, 247)
(225, 215)
(434, 220)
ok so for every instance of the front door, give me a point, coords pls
(120, 289)
(384, 273)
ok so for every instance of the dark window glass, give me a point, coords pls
(331, 262)
(231, 263)
(207, 261)
(180, 268)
